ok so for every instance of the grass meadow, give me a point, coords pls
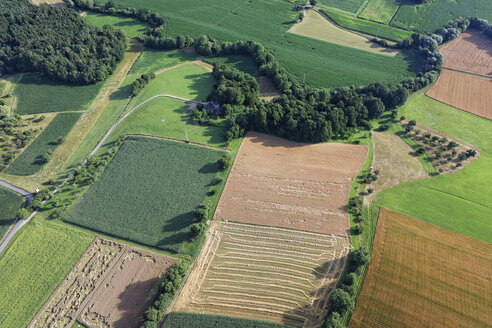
(381, 11)
(10, 202)
(196, 320)
(29, 162)
(149, 192)
(347, 5)
(36, 94)
(130, 26)
(462, 201)
(37, 260)
(153, 60)
(242, 63)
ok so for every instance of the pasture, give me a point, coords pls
(129, 275)
(130, 26)
(286, 184)
(265, 273)
(240, 62)
(153, 60)
(471, 52)
(37, 260)
(316, 26)
(10, 202)
(464, 91)
(347, 5)
(461, 201)
(149, 192)
(381, 11)
(196, 320)
(29, 161)
(426, 276)
(36, 94)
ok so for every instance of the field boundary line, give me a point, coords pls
(178, 140)
(394, 15)
(361, 8)
(467, 73)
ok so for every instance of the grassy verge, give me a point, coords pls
(10, 202)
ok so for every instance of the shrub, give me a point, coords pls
(334, 321)
(341, 301)
(358, 258)
(224, 162)
(23, 214)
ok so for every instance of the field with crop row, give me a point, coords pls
(30, 161)
(426, 276)
(10, 202)
(265, 273)
(196, 320)
(149, 192)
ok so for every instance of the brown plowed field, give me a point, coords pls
(464, 91)
(471, 52)
(108, 287)
(281, 183)
(266, 273)
(421, 275)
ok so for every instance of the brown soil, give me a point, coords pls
(54, 3)
(110, 286)
(471, 52)
(286, 184)
(267, 88)
(264, 273)
(421, 275)
(464, 91)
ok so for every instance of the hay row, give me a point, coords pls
(271, 289)
(256, 242)
(278, 239)
(271, 250)
(278, 260)
(270, 269)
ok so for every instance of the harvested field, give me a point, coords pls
(471, 52)
(265, 273)
(316, 26)
(286, 184)
(421, 275)
(464, 91)
(108, 287)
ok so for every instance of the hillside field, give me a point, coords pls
(36, 94)
(130, 26)
(381, 11)
(10, 202)
(36, 261)
(421, 275)
(153, 60)
(196, 320)
(348, 5)
(149, 192)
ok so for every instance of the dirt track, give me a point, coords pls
(286, 184)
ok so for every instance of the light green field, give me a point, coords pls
(153, 60)
(381, 11)
(461, 201)
(130, 26)
(348, 5)
(10, 202)
(242, 63)
(36, 261)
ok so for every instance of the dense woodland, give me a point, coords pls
(57, 43)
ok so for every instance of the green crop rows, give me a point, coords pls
(30, 162)
(195, 320)
(149, 192)
(37, 260)
(10, 202)
(36, 94)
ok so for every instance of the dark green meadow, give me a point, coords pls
(10, 202)
(149, 192)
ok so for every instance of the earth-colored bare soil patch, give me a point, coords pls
(421, 275)
(108, 287)
(55, 3)
(471, 52)
(314, 25)
(266, 273)
(287, 184)
(395, 161)
(267, 88)
(464, 91)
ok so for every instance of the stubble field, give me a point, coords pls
(291, 185)
(422, 275)
(265, 273)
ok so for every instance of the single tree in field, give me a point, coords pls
(312, 2)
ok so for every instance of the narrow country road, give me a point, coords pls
(18, 190)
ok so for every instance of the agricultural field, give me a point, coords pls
(149, 192)
(381, 11)
(265, 273)
(426, 276)
(152, 60)
(195, 320)
(471, 52)
(30, 161)
(10, 202)
(33, 265)
(240, 62)
(111, 285)
(291, 185)
(35, 94)
(130, 26)
(367, 27)
(347, 5)
(316, 26)
(464, 91)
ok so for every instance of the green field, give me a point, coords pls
(242, 63)
(130, 26)
(29, 161)
(37, 260)
(461, 201)
(149, 192)
(267, 21)
(35, 94)
(195, 320)
(348, 5)
(381, 11)
(153, 60)
(367, 27)
(10, 202)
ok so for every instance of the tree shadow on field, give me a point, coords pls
(123, 92)
(475, 38)
(177, 230)
(209, 168)
(274, 141)
(134, 301)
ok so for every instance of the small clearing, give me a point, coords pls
(267, 88)
(314, 25)
(54, 3)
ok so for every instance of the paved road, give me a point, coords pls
(18, 190)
